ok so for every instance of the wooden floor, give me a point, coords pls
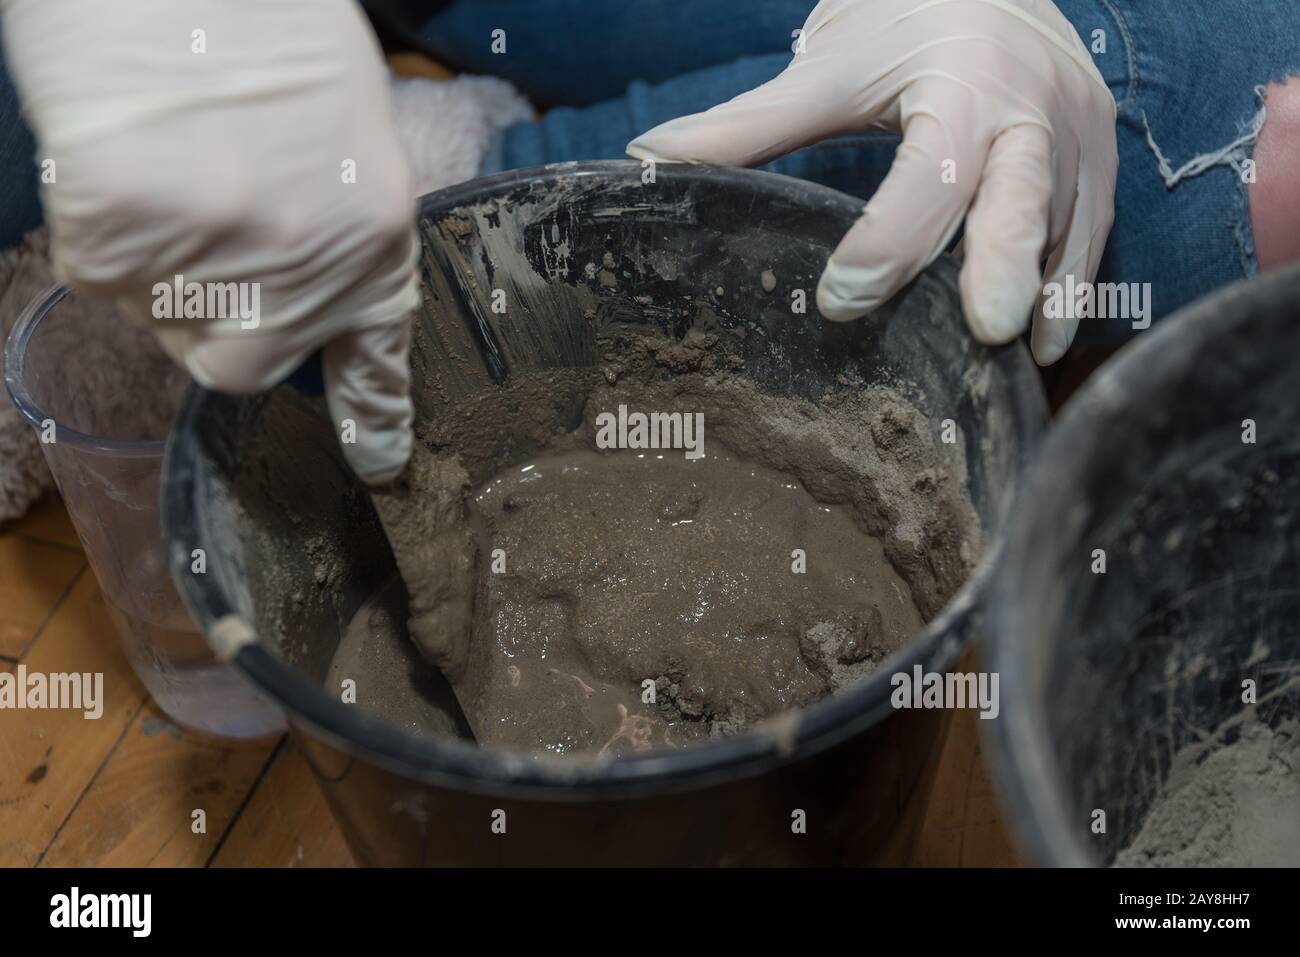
(123, 790)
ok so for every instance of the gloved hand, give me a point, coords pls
(1004, 89)
(232, 164)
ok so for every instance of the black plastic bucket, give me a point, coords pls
(851, 764)
(1106, 676)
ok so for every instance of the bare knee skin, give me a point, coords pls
(1275, 194)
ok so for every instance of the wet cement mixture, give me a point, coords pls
(612, 601)
(1227, 805)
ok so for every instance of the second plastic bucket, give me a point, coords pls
(1145, 608)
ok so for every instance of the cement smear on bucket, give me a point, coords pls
(1227, 805)
(614, 601)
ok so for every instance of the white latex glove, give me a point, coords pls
(1002, 88)
(228, 166)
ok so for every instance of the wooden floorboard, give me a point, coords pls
(286, 823)
(34, 579)
(49, 757)
(163, 799)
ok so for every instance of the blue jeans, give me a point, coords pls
(20, 205)
(1182, 72)
(1187, 70)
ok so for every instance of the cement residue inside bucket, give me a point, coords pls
(1226, 804)
(616, 600)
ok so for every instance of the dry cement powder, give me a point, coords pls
(1233, 805)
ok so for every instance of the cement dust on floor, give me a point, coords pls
(122, 790)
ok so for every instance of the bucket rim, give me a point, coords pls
(454, 763)
(15, 361)
(1024, 761)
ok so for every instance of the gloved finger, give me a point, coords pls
(795, 108)
(237, 363)
(367, 390)
(1067, 153)
(1079, 256)
(912, 217)
(1006, 234)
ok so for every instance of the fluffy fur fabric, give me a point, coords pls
(444, 127)
(24, 273)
